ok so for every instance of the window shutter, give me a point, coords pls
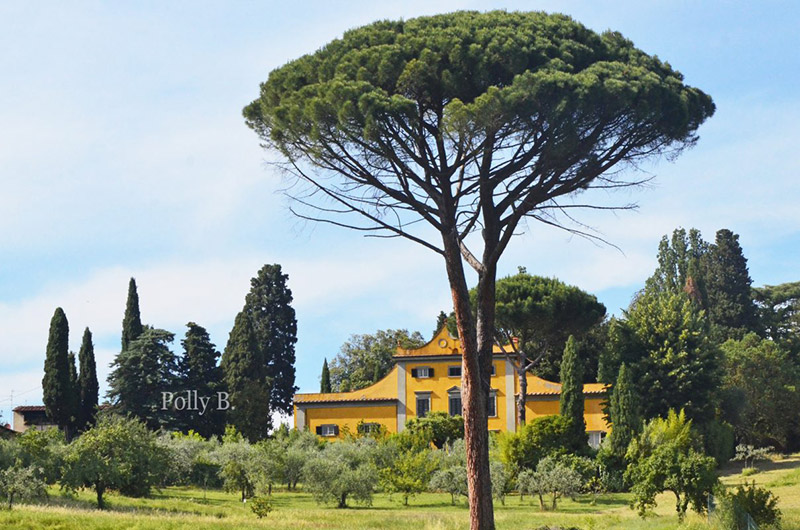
(336, 430)
(413, 372)
(319, 430)
(430, 372)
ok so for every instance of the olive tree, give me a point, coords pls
(116, 454)
(469, 124)
(342, 471)
(21, 483)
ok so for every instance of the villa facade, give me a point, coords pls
(428, 379)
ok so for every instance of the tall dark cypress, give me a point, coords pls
(88, 387)
(199, 373)
(132, 321)
(325, 378)
(571, 404)
(731, 310)
(625, 422)
(57, 390)
(246, 378)
(268, 306)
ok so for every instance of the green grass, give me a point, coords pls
(189, 508)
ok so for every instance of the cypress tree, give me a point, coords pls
(199, 372)
(248, 382)
(88, 387)
(131, 323)
(272, 320)
(325, 379)
(731, 310)
(571, 404)
(623, 411)
(57, 389)
(441, 321)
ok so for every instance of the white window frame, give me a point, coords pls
(423, 372)
(328, 430)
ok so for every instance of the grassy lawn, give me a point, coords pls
(189, 508)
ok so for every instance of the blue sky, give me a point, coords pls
(123, 153)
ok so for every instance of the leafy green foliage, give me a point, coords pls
(536, 440)
(21, 483)
(748, 499)
(261, 506)
(501, 481)
(365, 359)
(680, 266)
(778, 308)
(342, 471)
(666, 457)
(235, 458)
(116, 454)
(141, 374)
(409, 473)
(762, 387)
(664, 343)
(58, 392)
(258, 362)
(437, 428)
(571, 404)
(44, 450)
(452, 480)
(88, 387)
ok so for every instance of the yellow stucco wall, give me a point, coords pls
(441, 383)
(348, 417)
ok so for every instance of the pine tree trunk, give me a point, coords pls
(523, 389)
(476, 351)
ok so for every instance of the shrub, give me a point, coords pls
(261, 506)
(748, 499)
(437, 428)
(664, 458)
(537, 439)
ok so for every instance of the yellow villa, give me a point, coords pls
(428, 379)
